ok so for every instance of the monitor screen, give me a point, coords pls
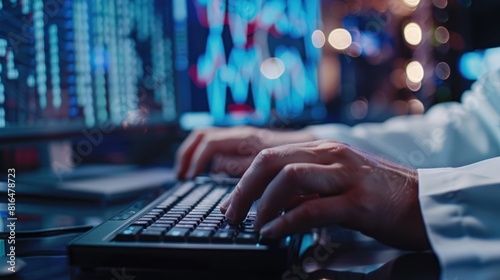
(66, 66)
(70, 65)
(248, 62)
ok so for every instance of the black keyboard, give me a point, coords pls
(194, 218)
(181, 227)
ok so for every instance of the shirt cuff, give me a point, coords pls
(461, 222)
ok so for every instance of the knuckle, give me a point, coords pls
(339, 148)
(265, 156)
(293, 172)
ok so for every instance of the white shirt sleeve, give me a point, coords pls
(460, 206)
(448, 135)
(461, 211)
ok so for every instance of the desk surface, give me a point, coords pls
(352, 256)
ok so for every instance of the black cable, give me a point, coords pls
(47, 232)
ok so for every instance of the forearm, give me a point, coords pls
(448, 135)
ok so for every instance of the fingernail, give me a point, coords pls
(267, 230)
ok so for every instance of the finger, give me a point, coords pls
(233, 165)
(311, 214)
(208, 147)
(224, 205)
(262, 170)
(298, 199)
(298, 179)
(185, 152)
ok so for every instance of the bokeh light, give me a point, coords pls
(340, 39)
(443, 70)
(354, 50)
(412, 33)
(359, 109)
(440, 3)
(413, 86)
(318, 38)
(442, 35)
(471, 65)
(411, 3)
(416, 106)
(415, 72)
(272, 68)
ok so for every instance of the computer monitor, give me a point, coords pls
(71, 66)
(248, 62)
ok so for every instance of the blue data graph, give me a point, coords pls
(257, 53)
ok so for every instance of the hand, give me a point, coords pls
(231, 150)
(354, 189)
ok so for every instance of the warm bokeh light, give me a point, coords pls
(354, 50)
(413, 33)
(272, 68)
(443, 70)
(413, 86)
(415, 72)
(359, 109)
(340, 39)
(440, 3)
(411, 3)
(416, 107)
(442, 35)
(318, 38)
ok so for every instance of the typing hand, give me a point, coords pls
(231, 149)
(354, 189)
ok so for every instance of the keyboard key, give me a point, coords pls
(169, 219)
(177, 234)
(187, 207)
(197, 220)
(223, 237)
(188, 226)
(151, 216)
(199, 235)
(147, 221)
(247, 238)
(191, 223)
(247, 227)
(180, 212)
(210, 228)
(164, 225)
(155, 213)
(142, 223)
(209, 224)
(194, 216)
(129, 234)
(151, 234)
